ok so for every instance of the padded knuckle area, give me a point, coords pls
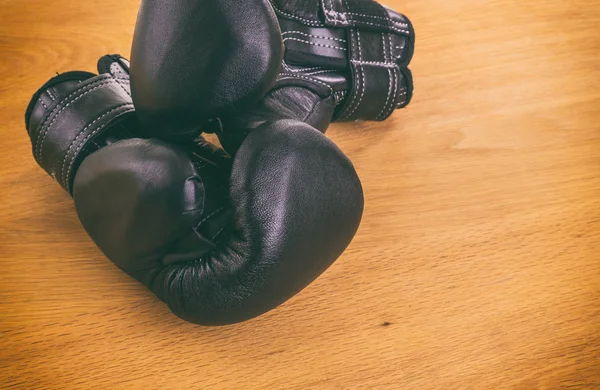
(177, 85)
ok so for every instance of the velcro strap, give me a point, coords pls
(377, 44)
(76, 121)
(379, 83)
(381, 45)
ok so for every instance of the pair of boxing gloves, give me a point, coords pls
(224, 235)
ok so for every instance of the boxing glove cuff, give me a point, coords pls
(74, 113)
(369, 44)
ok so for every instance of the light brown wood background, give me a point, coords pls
(477, 264)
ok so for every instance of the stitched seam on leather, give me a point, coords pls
(287, 67)
(40, 152)
(397, 75)
(400, 52)
(202, 258)
(68, 172)
(401, 24)
(339, 93)
(316, 68)
(362, 72)
(338, 16)
(51, 94)
(294, 17)
(385, 56)
(363, 84)
(199, 164)
(385, 52)
(313, 43)
(330, 10)
(120, 81)
(214, 238)
(319, 24)
(392, 28)
(395, 29)
(53, 112)
(391, 53)
(396, 80)
(396, 90)
(41, 101)
(349, 15)
(118, 71)
(348, 8)
(390, 65)
(44, 132)
(208, 216)
(403, 101)
(391, 108)
(358, 22)
(355, 93)
(392, 75)
(339, 4)
(99, 117)
(339, 97)
(308, 79)
(314, 36)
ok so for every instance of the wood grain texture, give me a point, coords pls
(477, 264)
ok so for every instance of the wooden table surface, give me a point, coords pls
(477, 264)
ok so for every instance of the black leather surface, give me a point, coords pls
(195, 60)
(343, 61)
(367, 44)
(298, 102)
(163, 215)
(75, 113)
(220, 240)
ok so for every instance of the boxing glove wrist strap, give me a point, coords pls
(71, 126)
(369, 44)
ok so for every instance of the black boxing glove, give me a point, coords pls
(218, 240)
(194, 60)
(344, 60)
